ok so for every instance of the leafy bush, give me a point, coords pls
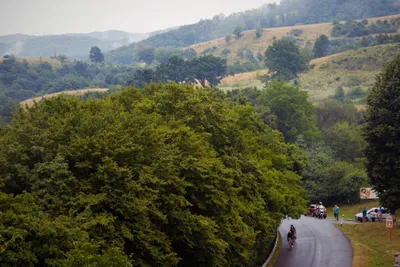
(225, 52)
(356, 92)
(209, 50)
(296, 32)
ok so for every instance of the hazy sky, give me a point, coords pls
(69, 16)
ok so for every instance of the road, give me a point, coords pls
(319, 244)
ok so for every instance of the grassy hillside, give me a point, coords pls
(248, 40)
(286, 13)
(349, 70)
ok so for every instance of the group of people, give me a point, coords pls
(377, 213)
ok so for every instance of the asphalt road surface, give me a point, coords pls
(319, 244)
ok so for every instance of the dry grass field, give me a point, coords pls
(35, 60)
(349, 70)
(310, 32)
(30, 102)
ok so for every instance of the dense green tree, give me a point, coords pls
(175, 69)
(295, 115)
(228, 38)
(321, 46)
(208, 69)
(331, 112)
(340, 96)
(259, 31)
(142, 77)
(345, 141)
(284, 60)
(382, 135)
(238, 32)
(95, 54)
(165, 176)
(328, 180)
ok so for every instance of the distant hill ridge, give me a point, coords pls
(248, 41)
(73, 45)
(287, 13)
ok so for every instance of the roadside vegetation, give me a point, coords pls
(371, 245)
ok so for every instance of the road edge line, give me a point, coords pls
(273, 250)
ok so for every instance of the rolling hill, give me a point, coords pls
(349, 70)
(72, 45)
(285, 14)
(248, 40)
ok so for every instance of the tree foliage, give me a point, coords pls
(345, 141)
(208, 70)
(329, 180)
(382, 135)
(165, 176)
(95, 55)
(238, 32)
(295, 115)
(284, 60)
(321, 46)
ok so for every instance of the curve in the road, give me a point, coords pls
(319, 244)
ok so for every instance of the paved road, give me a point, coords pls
(319, 244)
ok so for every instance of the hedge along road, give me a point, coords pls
(319, 243)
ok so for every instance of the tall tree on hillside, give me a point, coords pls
(284, 60)
(95, 54)
(382, 132)
(259, 31)
(238, 32)
(228, 38)
(174, 70)
(321, 46)
(209, 69)
(295, 115)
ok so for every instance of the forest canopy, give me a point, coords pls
(167, 176)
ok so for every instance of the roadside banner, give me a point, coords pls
(368, 193)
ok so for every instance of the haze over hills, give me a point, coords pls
(190, 146)
(72, 45)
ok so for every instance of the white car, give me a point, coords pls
(372, 215)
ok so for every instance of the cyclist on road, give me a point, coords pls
(290, 238)
(293, 230)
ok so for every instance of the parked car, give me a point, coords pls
(372, 215)
(312, 210)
